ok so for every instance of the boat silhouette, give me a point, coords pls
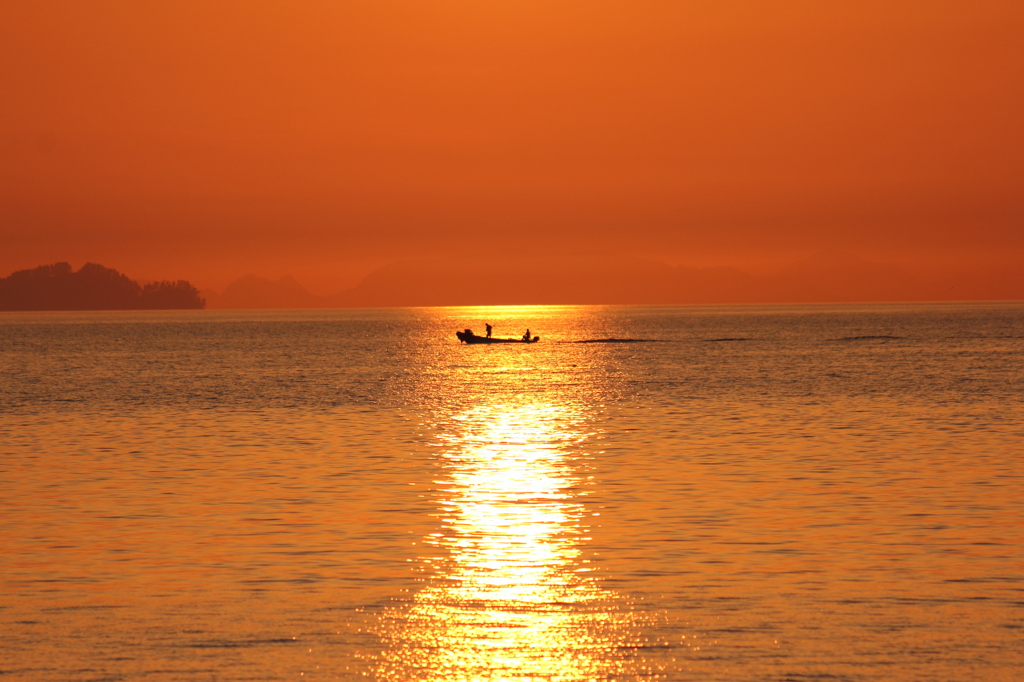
(469, 337)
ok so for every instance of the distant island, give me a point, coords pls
(92, 287)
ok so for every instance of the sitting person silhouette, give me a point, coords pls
(526, 336)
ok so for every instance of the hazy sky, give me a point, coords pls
(320, 138)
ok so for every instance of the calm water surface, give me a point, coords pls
(784, 493)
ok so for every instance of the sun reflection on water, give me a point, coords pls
(513, 596)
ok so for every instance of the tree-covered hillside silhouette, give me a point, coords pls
(92, 287)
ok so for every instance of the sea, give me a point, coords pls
(785, 493)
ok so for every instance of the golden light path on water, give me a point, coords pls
(511, 595)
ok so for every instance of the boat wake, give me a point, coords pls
(883, 337)
(621, 341)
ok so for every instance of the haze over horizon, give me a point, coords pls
(829, 276)
(206, 141)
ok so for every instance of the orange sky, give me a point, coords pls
(320, 139)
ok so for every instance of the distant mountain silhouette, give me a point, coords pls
(829, 276)
(713, 285)
(92, 287)
(1005, 283)
(511, 281)
(834, 276)
(252, 292)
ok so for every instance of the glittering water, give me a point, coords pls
(785, 493)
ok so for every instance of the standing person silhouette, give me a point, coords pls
(488, 330)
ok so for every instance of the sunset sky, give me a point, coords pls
(323, 139)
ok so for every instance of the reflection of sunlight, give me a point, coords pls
(513, 598)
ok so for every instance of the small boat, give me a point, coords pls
(469, 337)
